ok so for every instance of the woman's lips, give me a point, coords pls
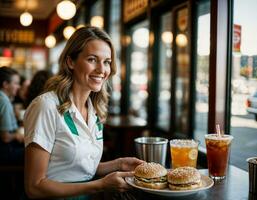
(97, 78)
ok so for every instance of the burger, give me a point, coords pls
(184, 178)
(151, 175)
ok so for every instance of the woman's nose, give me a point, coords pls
(100, 67)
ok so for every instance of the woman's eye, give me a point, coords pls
(92, 60)
(107, 63)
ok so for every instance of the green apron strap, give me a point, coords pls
(69, 121)
(99, 124)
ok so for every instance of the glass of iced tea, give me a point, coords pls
(183, 153)
(218, 151)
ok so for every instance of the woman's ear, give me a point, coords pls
(70, 62)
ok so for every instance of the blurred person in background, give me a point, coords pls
(11, 141)
(37, 85)
(21, 96)
(20, 99)
(63, 126)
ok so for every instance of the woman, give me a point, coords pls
(63, 127)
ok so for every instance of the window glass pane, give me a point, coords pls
(96, 14)
(97, 8)
(138, 77)
(115, 35)
(165, 54)
(244, 83)
(202, 72)
(182, 72)
(81, 17)
(54, 54)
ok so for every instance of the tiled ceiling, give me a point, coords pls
(40, 9)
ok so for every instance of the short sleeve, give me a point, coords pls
(7, 118)
(40, 123)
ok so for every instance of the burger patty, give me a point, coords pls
(153, 180)
(184, 185)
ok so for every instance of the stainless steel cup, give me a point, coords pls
(152, 149)
(252, 163)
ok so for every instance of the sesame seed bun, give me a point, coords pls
(150, 170)
(184, 178)
(151, 175)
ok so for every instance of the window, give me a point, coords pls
(202, 72)
(165, 54)
(244, 82)
(96, 14)
(115, 35)
(182, 73)
(54, 54)
(138, 78)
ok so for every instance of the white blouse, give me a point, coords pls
(75, 147)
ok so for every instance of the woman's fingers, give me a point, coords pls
(123, 184)
(125, 174)
(129, 163)
(116, 181)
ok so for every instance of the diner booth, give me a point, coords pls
(175, 80)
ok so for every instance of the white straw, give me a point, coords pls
(218, 130)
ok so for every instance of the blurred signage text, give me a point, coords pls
(133, 8)
(17, 36)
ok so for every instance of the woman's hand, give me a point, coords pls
(128, 163)
(115, 181)
(119, 164)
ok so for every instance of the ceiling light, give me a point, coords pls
(66, 9)
(97, 21)
(68, 31)
(26, 19)
(50, 41)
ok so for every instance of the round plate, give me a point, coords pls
(207, 182)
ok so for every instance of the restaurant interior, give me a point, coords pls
(184, 68)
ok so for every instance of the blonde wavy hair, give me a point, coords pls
(62, 83)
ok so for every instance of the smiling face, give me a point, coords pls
(92, 66)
